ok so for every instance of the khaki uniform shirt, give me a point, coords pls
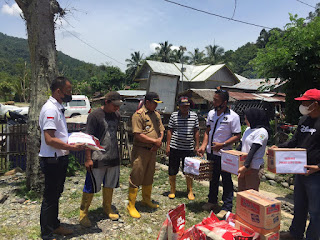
(148, 123)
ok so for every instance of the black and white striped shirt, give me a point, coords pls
(183, 130)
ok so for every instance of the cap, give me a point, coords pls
(114, 97)
(152, 96)
(183, 101)
(311, 94)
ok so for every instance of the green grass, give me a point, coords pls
(23, 192)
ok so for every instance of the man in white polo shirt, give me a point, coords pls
(54, 152)
(223, 129)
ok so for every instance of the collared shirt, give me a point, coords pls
(52, 118)
(258, 136)
(228, 123)
(148, 123)
(183, 130)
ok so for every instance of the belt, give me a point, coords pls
(61, 157)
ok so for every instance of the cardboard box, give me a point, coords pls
(258, 236)
(232, 160)
(270, 236)
(287, 160)
(258, 212)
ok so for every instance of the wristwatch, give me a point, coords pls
(224, 144)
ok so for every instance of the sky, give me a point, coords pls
(108, 31)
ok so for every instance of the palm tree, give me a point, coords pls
(196, 57)
(214, 54)
(178, 56)
(164, 52)
(134, 63)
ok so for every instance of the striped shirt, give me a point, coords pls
(183, 130)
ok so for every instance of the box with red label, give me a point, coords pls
(287, 160)
(232, 160)
(244, 228)
(270, 236)
(258, 212)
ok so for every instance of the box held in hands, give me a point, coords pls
(198, 168)
(287, 160)
(232, 160)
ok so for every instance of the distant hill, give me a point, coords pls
(14, 50)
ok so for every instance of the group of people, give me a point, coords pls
(223, 129)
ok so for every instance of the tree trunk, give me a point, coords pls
(39, 17)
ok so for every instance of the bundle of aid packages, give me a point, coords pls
(83, 138)
(173, 228)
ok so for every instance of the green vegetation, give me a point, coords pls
(73, 166)
(23, 192)
(292, 55)
(87, 78)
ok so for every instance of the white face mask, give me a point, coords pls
(305, 110)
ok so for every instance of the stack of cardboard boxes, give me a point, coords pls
(258, 213)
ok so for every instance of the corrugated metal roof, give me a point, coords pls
(241, 78)
(208, 72)
(164, 68)
(192, 73)
(254, 84)
(132, 93)
(208, 95)
(240, 96)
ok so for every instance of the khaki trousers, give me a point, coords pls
(251, 180)
(143, 166)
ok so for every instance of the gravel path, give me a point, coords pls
(19, 217)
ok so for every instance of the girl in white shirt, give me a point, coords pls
(253, 142)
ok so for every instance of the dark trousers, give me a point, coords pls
(227, 184)
(55, 174)
(176, 157)
(306, 200)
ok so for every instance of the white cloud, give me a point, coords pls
(174, 48)
(14, 10)
(153, 47)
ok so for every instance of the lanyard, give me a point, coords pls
(214, 129)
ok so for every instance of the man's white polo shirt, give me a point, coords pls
(228, 123)
(52, 118)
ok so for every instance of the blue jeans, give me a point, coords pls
(306, 200)
(227, 184)
(55, 174)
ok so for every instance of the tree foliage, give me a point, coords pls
(293, 56)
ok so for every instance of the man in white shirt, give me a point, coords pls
(223, 129)
(54, 152)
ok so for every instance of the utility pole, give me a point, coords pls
(182, 49)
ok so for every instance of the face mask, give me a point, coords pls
(304, 110)
(66, 98)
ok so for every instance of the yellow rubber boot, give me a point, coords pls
(107, 199)
(172, 180)
(132, 202)
(84, 208)
(189, 188)
(146, 197)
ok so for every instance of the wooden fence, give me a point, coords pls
(13, 150)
